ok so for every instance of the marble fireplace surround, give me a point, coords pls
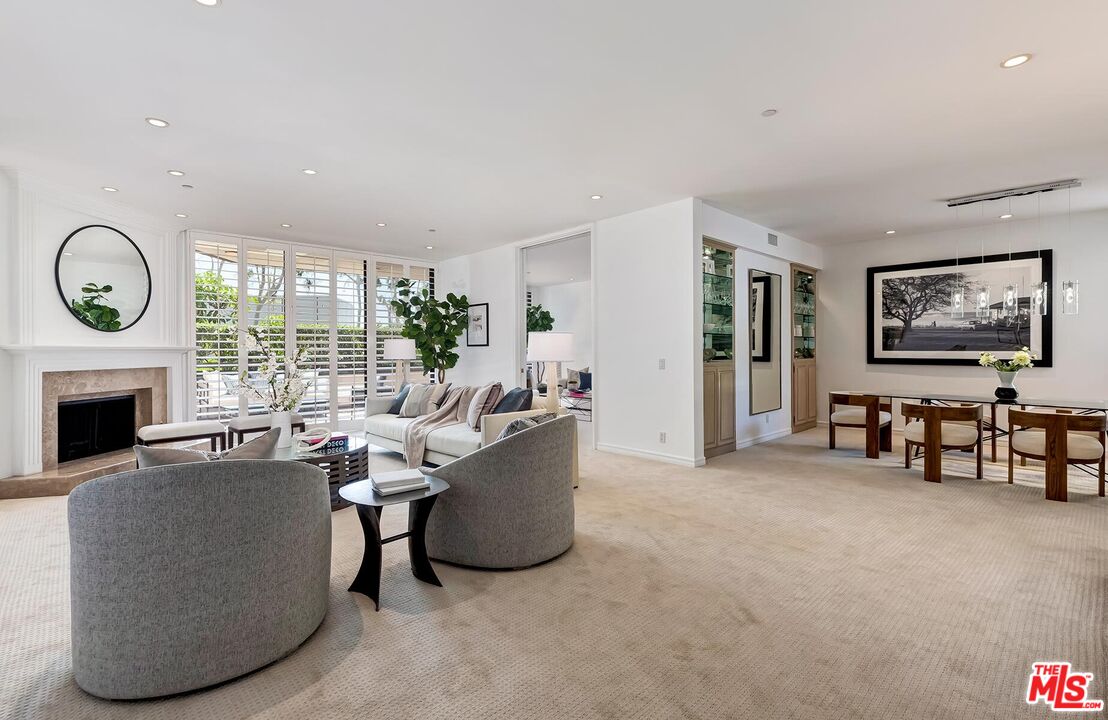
(149, 386)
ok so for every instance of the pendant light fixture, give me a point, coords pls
(1069, 287)
(982, 295)
(1040, 291)
(1011, 307)
(958, 294)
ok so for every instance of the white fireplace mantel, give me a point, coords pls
(28, 363)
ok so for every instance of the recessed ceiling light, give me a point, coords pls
(1005, 216)
(182, 215)
(157, 122)
(1016, 60)
(308, 171)
(176, 173)
(429, 247)
(186, 186)
(571, 279)
(109, 189)
(285, 225)
(68, 253)
(208, 3)
(769, 112)
(890, 232)
(381, 224)
(596, 197)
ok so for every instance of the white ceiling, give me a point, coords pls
(495, 121)
(557, 263)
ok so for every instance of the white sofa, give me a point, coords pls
(444, 444)
(448, 443)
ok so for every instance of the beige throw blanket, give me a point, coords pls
(452, 411)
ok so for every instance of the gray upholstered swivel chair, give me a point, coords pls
(510, 504)
(184, 576)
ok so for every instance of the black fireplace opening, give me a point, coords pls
(95, 426)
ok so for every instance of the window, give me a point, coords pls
(313, 330)
(324, 294)
(216, 275)
(388, 324)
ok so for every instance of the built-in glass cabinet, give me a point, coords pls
(718, 270)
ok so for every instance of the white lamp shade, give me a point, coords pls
(399, 349)
(549, 347)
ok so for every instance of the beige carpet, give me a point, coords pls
(782, 581)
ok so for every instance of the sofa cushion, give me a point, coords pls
(455, 440)
(389, 427)
(516, 400)
(170, 431)
(416, 402)
(398, 401)
(482, 404)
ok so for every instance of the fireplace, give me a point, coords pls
(95, 426)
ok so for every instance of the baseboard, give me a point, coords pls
(764, 438)
(650, 455)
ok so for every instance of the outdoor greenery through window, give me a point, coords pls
(326, 293)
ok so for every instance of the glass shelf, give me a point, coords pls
(718, 302)
(803, 315)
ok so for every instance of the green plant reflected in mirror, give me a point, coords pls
(102, 278)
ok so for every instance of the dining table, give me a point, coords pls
(1083, 407)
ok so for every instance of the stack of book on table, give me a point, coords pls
(399, 481)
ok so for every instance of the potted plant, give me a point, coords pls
(280, 393)
(1006, 370)
(435, 325)
(539, 320)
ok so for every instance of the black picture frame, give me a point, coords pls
(469, 327)
(1045, 349)
(65, 300)
(765, 294)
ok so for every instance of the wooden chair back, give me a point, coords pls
(1061, 419)
(967, 412)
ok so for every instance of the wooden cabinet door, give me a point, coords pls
(726, 388)
(711, 407)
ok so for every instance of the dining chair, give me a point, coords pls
(935, 428)
(1060, 439)
(862, 411)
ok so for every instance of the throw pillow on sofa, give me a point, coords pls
(398, 401)
(482, 404)
(263, 447)
(437, 396)
(416, 402)
(516, 400)
(520, 424)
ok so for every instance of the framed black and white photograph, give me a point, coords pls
(761, 318)
(912, 317)
(477, 331)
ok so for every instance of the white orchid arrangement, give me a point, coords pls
(279, 392)
(1020, 359)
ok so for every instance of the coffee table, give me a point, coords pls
(341, 466)
(578, 403)
(370, 505)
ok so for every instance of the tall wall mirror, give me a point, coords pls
(103, 278)
(765, 341)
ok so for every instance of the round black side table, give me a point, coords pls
(370, 504)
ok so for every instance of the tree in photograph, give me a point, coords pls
(907, 299)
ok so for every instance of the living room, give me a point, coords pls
(714, 360)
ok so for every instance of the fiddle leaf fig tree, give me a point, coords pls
(539, 320)
(434, 324)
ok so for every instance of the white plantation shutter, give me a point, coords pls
(240, 283)
(352, 346)
(216, 296)
(313, 329)
(265, 307)
(388, 324)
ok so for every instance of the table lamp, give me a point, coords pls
(401, 350)
(550, 348)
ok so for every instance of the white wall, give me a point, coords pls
(646, 300)
(1080, 341)
(571, 306)
(492, 277)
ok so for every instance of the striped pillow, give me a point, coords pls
(483, 403)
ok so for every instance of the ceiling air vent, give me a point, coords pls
(772, 239)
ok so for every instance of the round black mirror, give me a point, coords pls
(103, 278)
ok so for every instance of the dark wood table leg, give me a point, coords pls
(368, 580)
(418, 513)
